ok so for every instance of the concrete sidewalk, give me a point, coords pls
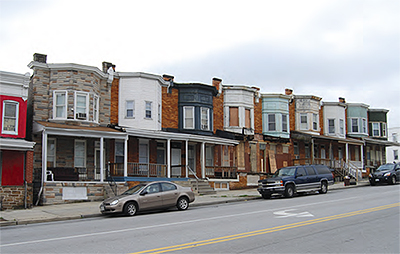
(80, 210)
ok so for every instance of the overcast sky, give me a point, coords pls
(330, 49)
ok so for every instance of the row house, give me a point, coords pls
(392, 152)
(16, 153)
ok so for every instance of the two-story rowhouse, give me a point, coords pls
(392, 151)
(276, 132)
(16, 153)
(70, 108)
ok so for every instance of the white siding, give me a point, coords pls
(336, 112)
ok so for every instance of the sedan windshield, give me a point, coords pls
(285, 172)
(134, 189)
(385, 167)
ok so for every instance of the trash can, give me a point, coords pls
(346, 180)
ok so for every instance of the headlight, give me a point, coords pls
(114, 202)
(370, 175)
(279, 182)
(387, 174)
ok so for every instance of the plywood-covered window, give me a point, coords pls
(233, 116)
(248, 118)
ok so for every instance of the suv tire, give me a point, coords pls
(324, 188)
(289, 190)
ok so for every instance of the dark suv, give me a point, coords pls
(294, 179)
(388, 173)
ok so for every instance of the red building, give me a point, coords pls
(16, 154)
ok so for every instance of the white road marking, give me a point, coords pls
(285, 214)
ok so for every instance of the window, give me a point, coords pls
(383, 129)
(395, 154)
(303, 122)
(205, 123)
(10, 117)
(60, 104)
(376, 129)
(247, 123)
(95, 108)
(284, 123)
(394, 137)
(81, 102)
(364, 125)
(233, 116)
(296, 148)
(159, 113)
(341, 125)
(130, 109)
(315, 122)
(119, 151)
(354, 125)
(51, 152)
(148, 110)
(331, 125)
(310, 170)
(80, 154)
(209, 156)
(188, 120)
(307, 150)
(271, 122)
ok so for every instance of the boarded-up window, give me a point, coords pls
(233, 116)
(248, 119)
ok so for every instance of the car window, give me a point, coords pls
(386, 167)
(322, 169)
(301, 172)
(289, 171)
(310, 170)
(168, 186)
(153, 188)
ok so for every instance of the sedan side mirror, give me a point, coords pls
(143, 193)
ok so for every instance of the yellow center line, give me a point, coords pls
(265, 231)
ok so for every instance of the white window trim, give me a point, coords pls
(145, 110)
(316, 121)
(16, 117)
(358, 125)
(159, 113)
(275, 125)
(126, 109)
(208, 119)
(55, 151)
(334, 126)
(55, 104)
(364, 126)
(115, 154)
(191, 108)
(75, 154)
(87, 104)
(341, 126)
(306, 123)
(376, 129)
(384, 130)
(96, 103)
(287, 123)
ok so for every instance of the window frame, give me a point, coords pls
(284, 123)
(116, 153)
(303, 125)
(54, 155)
(76, 155)
(331, 128)
(96, 103)
(188, 109)
(353, 122)
(341, 126)
(207, 119)
(376, 129)
(271, 122)
(55, 105)
(247, 118)
(315, 121)
(234, 121)
(148, 110)
(132, 108)
(76, 107)
(15, 118)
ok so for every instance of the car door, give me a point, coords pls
(169, 194)
(150, 197)
(300, 179)
(312, 178)
(397, 171)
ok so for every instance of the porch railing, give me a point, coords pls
(139, 169)
(221, 172)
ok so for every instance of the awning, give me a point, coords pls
(16, 144)
(308, 136)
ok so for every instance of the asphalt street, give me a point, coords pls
(359, 220)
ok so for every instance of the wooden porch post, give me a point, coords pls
(44, 156)
(169, 158)
(203, 160)
(126, 157)
(101, 159)
(186, 158)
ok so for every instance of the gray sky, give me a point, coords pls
(331, 49)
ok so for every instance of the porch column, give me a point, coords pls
(203, 160)
(101, 159)
(362, 158)
(347, 153)
(126, 157)
(169, 158)
(187, 158)
(312, 151)
(44, 156)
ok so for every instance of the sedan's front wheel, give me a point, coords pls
(393, 180)
(182, 204)
(130, 209)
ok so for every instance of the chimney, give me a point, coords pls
(342, 100)
(167, 77)
(41, 58)
(107, 65)
(216, 82)
(288, 91)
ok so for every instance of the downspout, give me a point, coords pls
(44, 163)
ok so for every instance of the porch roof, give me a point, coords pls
(77, 131)
(180, 136)
(309, 136)
(380, 142)
(16, 144)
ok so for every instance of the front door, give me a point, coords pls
(192, 159)
(176, 161)
(161, 162)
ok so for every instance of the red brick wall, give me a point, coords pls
(258, 116)
(114, 102)
(170, 114)
(321, 120)
(218, 112)
(29, 167)
(292, 115)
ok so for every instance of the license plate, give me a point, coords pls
(102, 208)
(376, 180)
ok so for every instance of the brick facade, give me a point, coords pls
(170, 114)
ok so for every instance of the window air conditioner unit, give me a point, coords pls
(81, 116)
(297, 157)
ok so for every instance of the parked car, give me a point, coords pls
(149, 196)
(388, 173)
(296, 179)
